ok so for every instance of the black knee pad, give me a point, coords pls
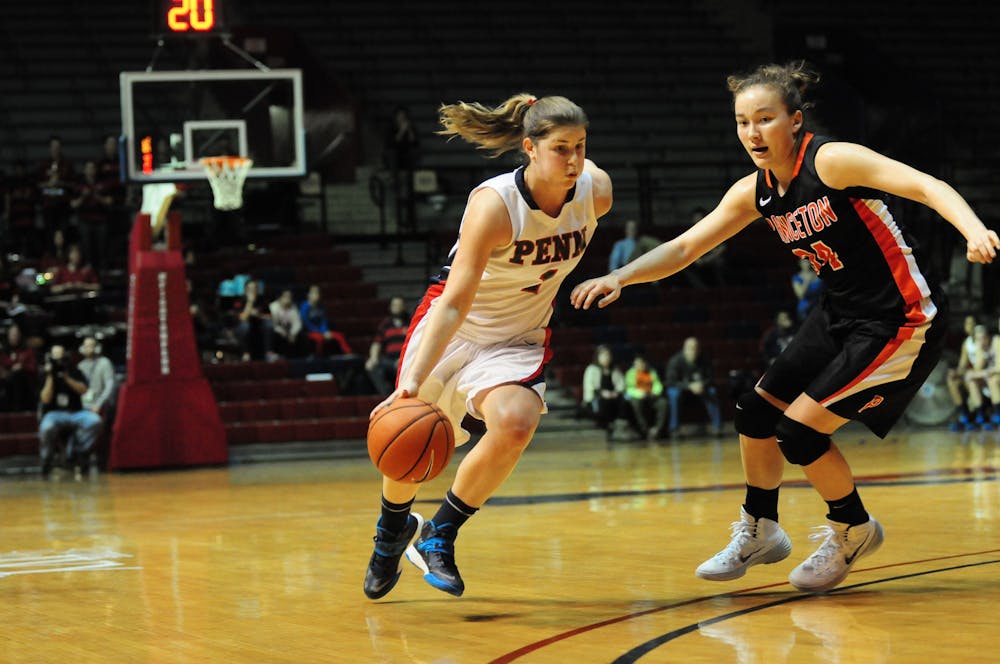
(755, 416)
(800, 444)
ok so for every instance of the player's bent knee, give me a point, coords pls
(801, 445)
(755, 416)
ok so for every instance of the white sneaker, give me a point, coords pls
(754, 541)
(842, 546)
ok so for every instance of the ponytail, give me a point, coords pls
(503, 128)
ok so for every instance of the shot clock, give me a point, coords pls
(189, 18)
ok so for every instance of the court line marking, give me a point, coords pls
(16, 563)
(643, 649)
(942, 476)
(538, 645)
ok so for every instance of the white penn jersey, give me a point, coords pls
(522, 278)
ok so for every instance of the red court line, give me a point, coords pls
(538, 645)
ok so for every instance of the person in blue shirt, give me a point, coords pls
(623, 248)
(317, 326)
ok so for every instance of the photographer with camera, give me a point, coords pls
(63, 414)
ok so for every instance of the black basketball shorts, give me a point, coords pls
(860, 369)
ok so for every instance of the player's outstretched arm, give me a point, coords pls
(842, 165)
(733, 214)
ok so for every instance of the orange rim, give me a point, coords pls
(220, 162)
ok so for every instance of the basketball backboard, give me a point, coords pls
(171, 119)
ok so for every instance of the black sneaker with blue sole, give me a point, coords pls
(434, 554)
(384, 567)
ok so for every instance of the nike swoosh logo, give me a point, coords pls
(763, 201)
(850, 559)
(750, 555)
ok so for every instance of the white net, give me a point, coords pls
(226, 176)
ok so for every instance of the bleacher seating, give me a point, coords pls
(260, 403)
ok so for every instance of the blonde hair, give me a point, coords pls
(791, 80)
(502, 128)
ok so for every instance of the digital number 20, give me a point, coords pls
(197, 15)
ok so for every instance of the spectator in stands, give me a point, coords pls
(807, 287)
(253, 323)
(982, 368)
(955, 378)
(21, 199)
(75, 276)
(644, 394)
(109, 170)
(206, 326)
(55, 181)
(777, 337)
(401, 156)
(93, 205)
(326, 341)
(689, 373)
(604, 390)
(631, 246)
(100, 375)
(102, 391)
(56, 162)
(710, 269)
(56, 254)
(18, 371)
(624, 247)
(64, 419)
(383, 354)
(286, 326)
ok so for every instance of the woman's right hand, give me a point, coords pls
(607, 286)
(982, 247)
(406, 389)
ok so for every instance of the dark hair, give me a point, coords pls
(790, 80)
(601, 348)
(502, 128)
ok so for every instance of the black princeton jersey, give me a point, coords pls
(863, 256)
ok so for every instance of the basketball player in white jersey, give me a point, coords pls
(478, 341)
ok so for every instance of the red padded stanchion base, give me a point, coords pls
(167, 423)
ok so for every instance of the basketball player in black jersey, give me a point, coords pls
(861, 356)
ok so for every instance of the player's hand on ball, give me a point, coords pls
(399, 393)
(607, 288)
(406, 389)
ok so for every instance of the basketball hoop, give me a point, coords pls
(226, 176)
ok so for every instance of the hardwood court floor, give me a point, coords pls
(586, 555)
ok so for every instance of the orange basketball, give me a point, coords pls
(410, 440)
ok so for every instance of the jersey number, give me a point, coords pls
(823, 255)
(548, 274)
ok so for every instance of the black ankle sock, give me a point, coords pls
(453, 512)
(762, 503)
(849, 510)
(394, 515)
